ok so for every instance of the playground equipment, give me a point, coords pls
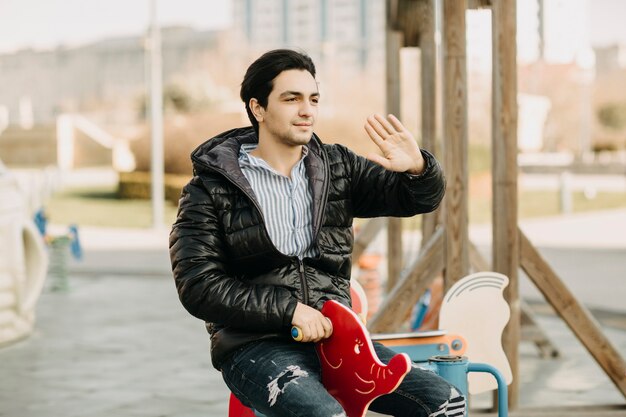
(23, 262)
(353, 374)
(446, 247)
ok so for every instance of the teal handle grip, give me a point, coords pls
(296, 333)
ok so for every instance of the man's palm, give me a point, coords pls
(399, 149)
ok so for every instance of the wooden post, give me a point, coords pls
(393, 40)
(577, 317)
(428, 74)
(455, 142)
(505, 246)
(411, 285)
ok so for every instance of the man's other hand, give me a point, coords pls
(313, 325)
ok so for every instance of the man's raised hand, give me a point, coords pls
(400, 150)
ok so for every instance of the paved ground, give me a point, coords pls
(121, 345)
(118, 343)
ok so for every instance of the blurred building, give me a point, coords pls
(39, 85)
(347, 34)
(610, 59)
(351, 32)
(565, 30)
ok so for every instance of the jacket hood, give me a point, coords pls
(221, 150)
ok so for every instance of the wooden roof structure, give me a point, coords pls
(446, 246)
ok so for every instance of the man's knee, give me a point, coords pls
(294, 392)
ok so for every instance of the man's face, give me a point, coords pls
(291, 109)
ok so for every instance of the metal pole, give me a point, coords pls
(156, 120)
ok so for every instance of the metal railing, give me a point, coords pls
(68, 124)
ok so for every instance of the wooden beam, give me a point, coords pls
(392, 52)
(575, 315)
(395, 258)
(406, 17)
(428, 81)
(479, 4)
(455, 145)
(504, 174)
(408, 20)
(411, 285)
(477, 260)
(393, 43)
(368, 232)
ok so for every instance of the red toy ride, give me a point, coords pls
(351, 371)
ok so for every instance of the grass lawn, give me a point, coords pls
(541, 203)
(101, 207)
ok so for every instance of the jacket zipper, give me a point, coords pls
(320, 214)
(325, 186)
(305, 287)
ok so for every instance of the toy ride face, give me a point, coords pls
(351, 371)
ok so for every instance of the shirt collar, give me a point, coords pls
(246, 148)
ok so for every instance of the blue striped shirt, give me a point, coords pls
(287, 203)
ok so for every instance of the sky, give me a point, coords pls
(45, 24)
(606, 22)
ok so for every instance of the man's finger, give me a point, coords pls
(320, 331)
(328, 327)
(374, 135)
(311, 333)
(377, 126)
(397, 124)
(391, 130)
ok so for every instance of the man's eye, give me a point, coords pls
(291, 99)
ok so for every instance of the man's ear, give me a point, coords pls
(257, 110)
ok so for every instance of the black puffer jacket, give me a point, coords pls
(226, 268)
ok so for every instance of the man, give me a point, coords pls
(264, 237)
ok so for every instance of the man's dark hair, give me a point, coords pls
(259, 79)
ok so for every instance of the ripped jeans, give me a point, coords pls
(282, 378)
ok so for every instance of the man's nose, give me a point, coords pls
(306, 108)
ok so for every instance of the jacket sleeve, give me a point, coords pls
(204, 287)
(379, 192)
